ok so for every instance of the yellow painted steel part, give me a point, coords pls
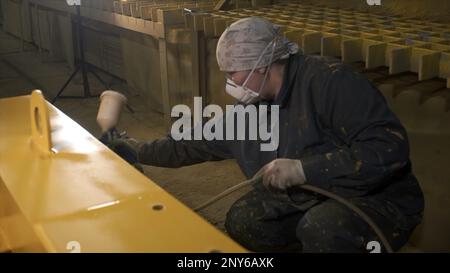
(61, 190)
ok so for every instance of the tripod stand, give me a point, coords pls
(82, 65)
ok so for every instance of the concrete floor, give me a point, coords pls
(21, 72)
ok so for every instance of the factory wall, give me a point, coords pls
(128, 55)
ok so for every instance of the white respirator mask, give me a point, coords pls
(244, 94)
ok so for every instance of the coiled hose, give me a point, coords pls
(310, 188)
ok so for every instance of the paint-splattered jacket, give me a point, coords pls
(332, 119)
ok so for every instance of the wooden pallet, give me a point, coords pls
(402, 44)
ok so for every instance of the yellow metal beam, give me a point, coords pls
(77, 191)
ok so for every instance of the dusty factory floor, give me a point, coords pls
(23, 71)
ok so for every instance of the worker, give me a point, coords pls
(336, 132)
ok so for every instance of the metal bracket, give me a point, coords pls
(40, 124)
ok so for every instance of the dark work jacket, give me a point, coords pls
(332, 119)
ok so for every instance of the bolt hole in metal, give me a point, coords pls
(37, 120)
(158, 207)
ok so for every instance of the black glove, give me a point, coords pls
(111, 135)
(127, 148)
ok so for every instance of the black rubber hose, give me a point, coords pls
(311, 188)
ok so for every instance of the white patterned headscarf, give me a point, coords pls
(242, 43)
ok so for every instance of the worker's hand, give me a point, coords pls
(282, 173)
(127, 148)
(112, 134)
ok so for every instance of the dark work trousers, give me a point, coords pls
(262, 221)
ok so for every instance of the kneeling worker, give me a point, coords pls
(336, 132)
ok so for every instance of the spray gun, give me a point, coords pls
(111, 104)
